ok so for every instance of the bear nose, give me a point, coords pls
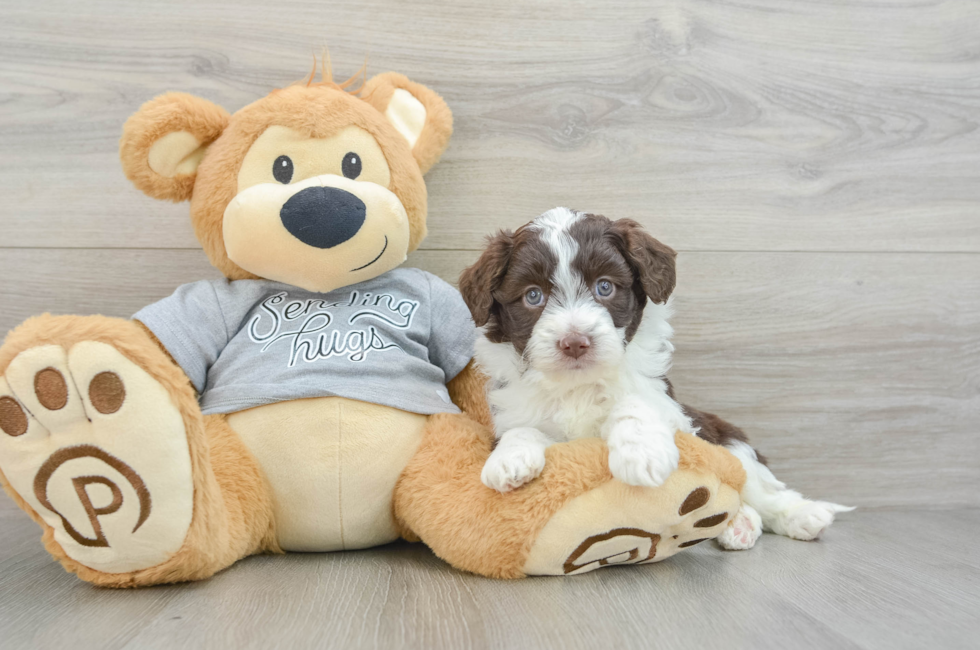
(574, 345)
(323, 217)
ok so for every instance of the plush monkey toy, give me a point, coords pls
(318, 398)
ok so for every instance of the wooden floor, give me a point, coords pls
(815, 163)
(883, 578)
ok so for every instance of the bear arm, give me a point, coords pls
(156, 341)
(468, 392)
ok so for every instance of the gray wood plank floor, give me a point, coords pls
(816, 165)
(885, 578)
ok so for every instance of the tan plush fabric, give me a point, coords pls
(434, 139)
(232, 513)
(320, 111)
(98, 504)
(158, 118)
(180, 147)
(332, 464)
(468, 392)
(178, 152)
(623, 524)
(441, 500)
(406, 114)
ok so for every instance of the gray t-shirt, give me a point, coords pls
(393, 340)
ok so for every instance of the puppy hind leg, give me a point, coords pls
(783, 511)
(743, 531)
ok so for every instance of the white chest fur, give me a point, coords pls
(561, 412)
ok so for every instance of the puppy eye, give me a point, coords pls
(351, 165)
(604, 288)
(533, 297)
(282, 169)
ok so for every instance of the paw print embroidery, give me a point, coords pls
(97, 448)
(81, 483)
(619, 546)
(638, 546)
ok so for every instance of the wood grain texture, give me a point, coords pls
(868, 584)
(856, 374)
(816, 163)
(735, 125)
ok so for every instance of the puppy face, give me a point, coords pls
(568, 289)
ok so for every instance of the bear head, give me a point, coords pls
(312, 185)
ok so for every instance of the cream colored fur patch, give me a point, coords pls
(406, 114)
(332, 464)
(104, 460)
(622, 524)
(175, 153)
(256, 239)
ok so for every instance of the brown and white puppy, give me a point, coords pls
(573, 311)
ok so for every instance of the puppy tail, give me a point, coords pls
(836, 507)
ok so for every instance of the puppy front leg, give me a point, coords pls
(641, 444)
(517, 459)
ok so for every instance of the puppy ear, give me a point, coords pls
(164, 141)
(419, 114)
(478, 282)
(652, 262)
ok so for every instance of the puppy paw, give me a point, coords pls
(743, 531)
(647, 463)
(807, 520)
(511, 466)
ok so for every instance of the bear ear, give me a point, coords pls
(419, 114)
(164, 141)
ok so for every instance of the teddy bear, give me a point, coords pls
(320, 397)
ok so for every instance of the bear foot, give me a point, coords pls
(98, 449)
(688, 510)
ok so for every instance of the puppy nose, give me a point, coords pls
(323, 217)
(574, 345)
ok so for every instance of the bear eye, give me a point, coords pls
(282, 169)
(351, 165)
(533, 297)
(604, 288)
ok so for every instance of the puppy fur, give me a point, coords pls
(573, 311)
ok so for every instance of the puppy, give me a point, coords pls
(573, 313)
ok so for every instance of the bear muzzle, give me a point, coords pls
(318, 234)
(323, 217)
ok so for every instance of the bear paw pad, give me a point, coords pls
(97, 448)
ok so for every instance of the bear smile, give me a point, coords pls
(375, 259)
